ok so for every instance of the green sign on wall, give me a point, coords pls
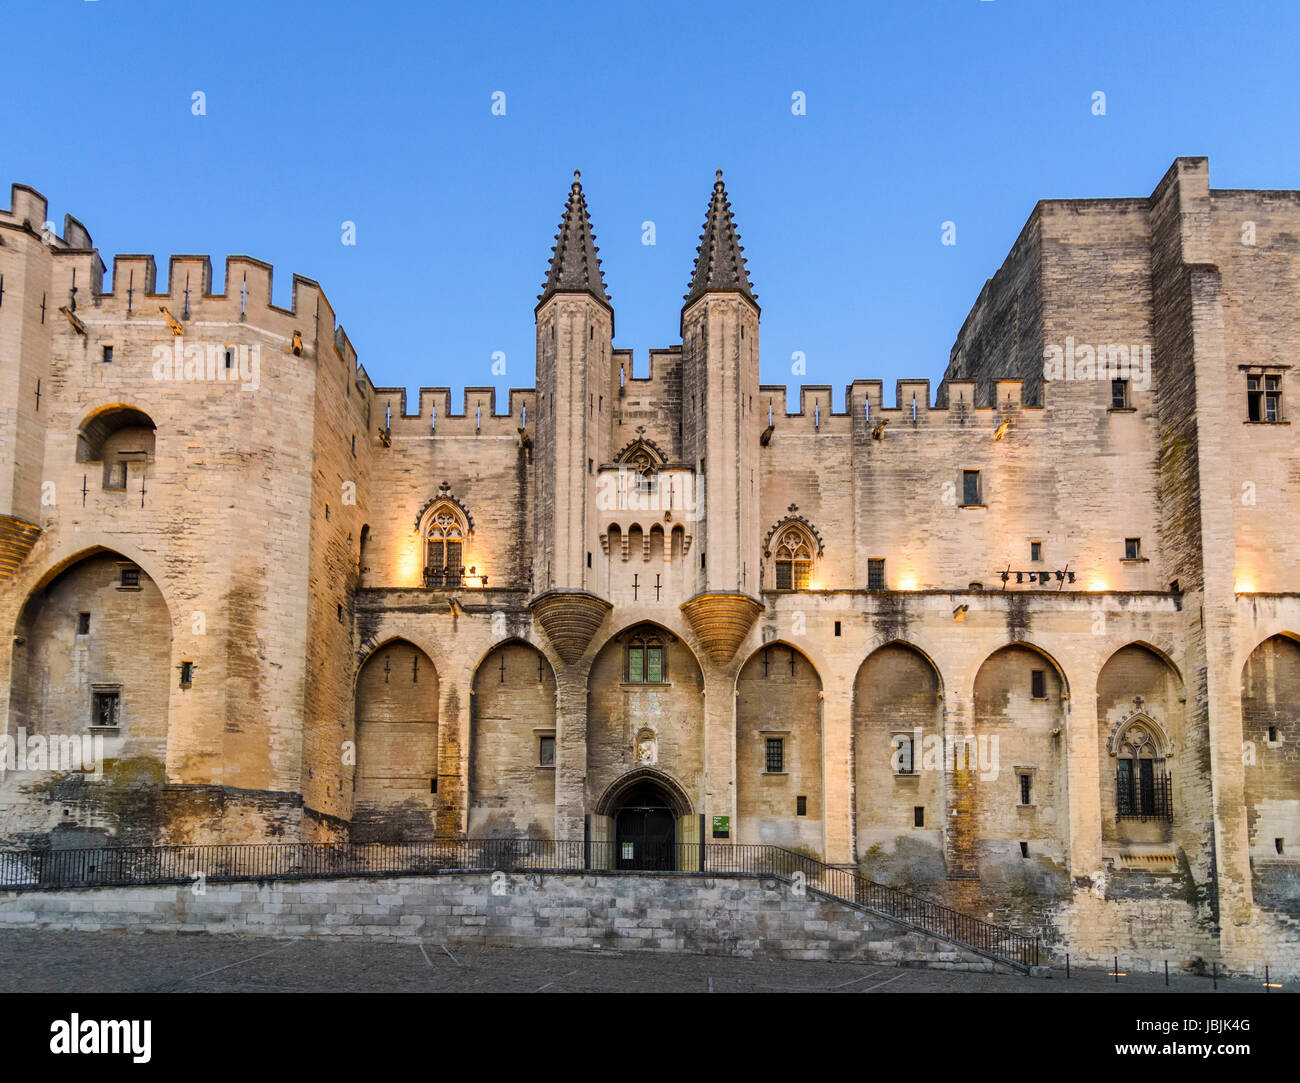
(721, 827)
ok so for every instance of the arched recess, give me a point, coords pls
(1009, 775)
(92, 655)
(898, 766)
(1147, 778)
(396, 776)
(1270, 716)
(120, 437)
(618, 792)
(780, 791)
(644, 709)
(512, 744)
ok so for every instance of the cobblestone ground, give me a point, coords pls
(38, 961)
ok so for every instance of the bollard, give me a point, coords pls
(1216, 975)
(1116, 969)
(1067, 964)
(1166, 971)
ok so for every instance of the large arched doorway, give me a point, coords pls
(648, 818)
(395, 781)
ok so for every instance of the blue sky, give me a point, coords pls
(917, 113)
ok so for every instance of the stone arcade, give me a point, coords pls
(644, 608)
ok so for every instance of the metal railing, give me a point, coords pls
(1138, 798)
(128, 866)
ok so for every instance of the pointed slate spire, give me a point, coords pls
(719, 264)
(575, 267)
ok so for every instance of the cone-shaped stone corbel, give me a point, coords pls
(569, 618)
(721, 620)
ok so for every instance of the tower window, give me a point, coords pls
(187, 674)
(1038, 686)
(1132, 548)
(108, 355)
(1264, 396)
(876, 574)
(230, 358)
(129, 578)
(645, 660)
(1035, 550)
(837, 627)
(970, 487)
(775, 756)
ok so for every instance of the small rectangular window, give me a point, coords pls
(1024, 849)
(340, 612)
(83, 627)
(904, 753)
(1035, 550)
(1132, 548)
(1272, 730)
(918, 816)
(588, 560)
(433, 784)
(1119, 394)
(1038, 685)
(230, 358)
(775, 755)
(115, 475)
(1278, 845)
(546, 751)
(108, 355)
(129, 577)
(837, 627)
(970, 487)
(875, 574)
(801, 806)
(1025, 793)
(187, 674)
(106, 709)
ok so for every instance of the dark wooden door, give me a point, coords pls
(645, 838)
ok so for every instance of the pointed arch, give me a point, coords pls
(611, 797)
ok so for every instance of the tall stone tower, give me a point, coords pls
(720, 429)
(575, 331)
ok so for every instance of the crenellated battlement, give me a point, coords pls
(434, 415)
(866, 407)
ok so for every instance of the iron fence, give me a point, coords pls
(137, 866)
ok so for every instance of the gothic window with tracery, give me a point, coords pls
(793, 555)
(1142, 784)
(444, 564)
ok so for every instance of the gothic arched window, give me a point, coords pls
(444, 547)
(792, 553)
(1142, 784)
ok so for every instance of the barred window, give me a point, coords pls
(106, 709)
(775, 760)
(875, 574)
